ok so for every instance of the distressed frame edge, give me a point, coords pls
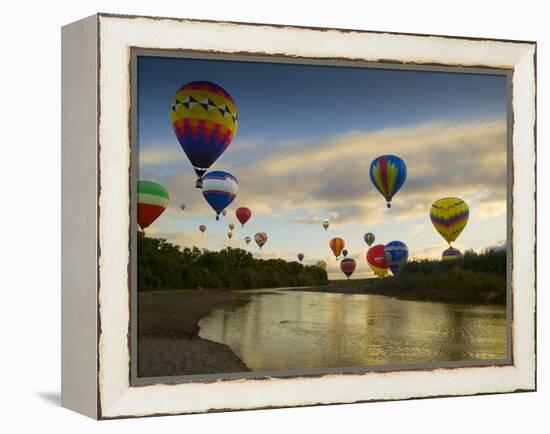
(530, 47)
(79, 140)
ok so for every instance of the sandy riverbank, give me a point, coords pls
(169, 342)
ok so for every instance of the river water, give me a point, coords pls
(285, 330)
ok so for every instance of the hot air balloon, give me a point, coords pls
(450, 254)
(337, 245)
(377, 260)
(300, 257)
(344, 253)
(231, 226)
(388, 174)
(202, 228)
(326, 224)
(369, 238)
(321, 264)
(261, 239)
(396, 254)
(348, 266)
(182, 206)
(204, 119)
(230, 235)
(219, 190)
(449, 217)
(243, 215)
(224, 212)
(247, 240)
(152, 200)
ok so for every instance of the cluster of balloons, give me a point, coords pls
(204, 118)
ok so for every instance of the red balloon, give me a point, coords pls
(243, 215)
(348, 266)
(202, 228)
(376, 257)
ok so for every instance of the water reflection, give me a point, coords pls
(280, 330)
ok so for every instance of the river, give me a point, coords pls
(286, 330)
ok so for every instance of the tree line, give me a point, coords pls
(162, 265)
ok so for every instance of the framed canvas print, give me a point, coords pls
(260, 216)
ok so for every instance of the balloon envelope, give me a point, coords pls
(388, 174)
(326, 224)
(449, 217)
(377, 260)
(396, 254)
(231, 226)
(202, 228)
(300, 257)
(182, 206)
(344, 253)
(219, 189)
(152, 200)
(243, 214)
(337, 245)
(369, 238)
(260, 238)
(450, 254)
(204, 118)
(321, 264)
(230, 235)
(348, 266)
(247, 240)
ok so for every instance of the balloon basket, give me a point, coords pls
(198, 184)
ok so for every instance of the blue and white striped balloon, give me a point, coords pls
(396, 254)
(219, 189)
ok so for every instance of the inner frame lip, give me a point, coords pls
(136, 52)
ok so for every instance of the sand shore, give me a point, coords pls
(169, 342)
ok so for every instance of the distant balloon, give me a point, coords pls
(204, 119)
(219, 189)
(396, 254)
(348, 266)
(450, 254)
(224, 212)
(321, 264)
(326, 224)
(243, 215)
(231, 226)
(344, 253)
(369, 238)
(152, 200)
(388, 173)
(182, 206)
(230, 235)
(300, 257)
(202, 228)
(377, 260)
(247, 240)
(261, 239)
(337, 245)
(449, 217)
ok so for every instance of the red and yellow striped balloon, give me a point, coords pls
(337, 244)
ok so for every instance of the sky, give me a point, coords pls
(305, 140)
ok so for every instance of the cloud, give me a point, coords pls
(316, 179)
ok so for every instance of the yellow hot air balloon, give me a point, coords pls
(230, 235)
(322, 264)
(449, 217)
(337, 244)
(231, 226)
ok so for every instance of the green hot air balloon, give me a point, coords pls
(369, 238)
(153, 199)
